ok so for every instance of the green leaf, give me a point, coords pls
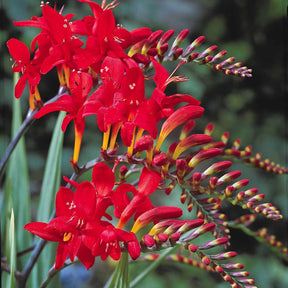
(8, 280)
(17, 194)
(50, 186)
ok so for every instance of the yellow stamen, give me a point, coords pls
(67, 236)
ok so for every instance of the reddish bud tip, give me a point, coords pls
(144, 143)
(160, 160)
(192, 248)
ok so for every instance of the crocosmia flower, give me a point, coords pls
(73, 213)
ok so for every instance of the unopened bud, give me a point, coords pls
(160, 160)
(223, 256)
(204, 155)
(197, 42)
(148, 240)
(206, 260)
(216, 167)
(227, 62)
(229, 177)
(144, 143)
(219, 56)
(199, 231)
(187, 128)
(192, 248)
(189, 142)
(213, 243)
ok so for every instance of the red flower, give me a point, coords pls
(80, 86)
(30, 70)
(104, 240)
(160, 104)
(148, 183)
(73, 213)
(64, 47)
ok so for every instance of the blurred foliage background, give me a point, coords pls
(254, 110)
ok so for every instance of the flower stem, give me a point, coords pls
(23, 129)
(153, 266)
(120, 277)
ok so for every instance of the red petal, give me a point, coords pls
(19, 51)
(20, 86)
(134, 248)
(64, 103)
(161, 74)
(171, 101)
(73, 246)
(85, 200)
(133, 86)
(80, 85)
(106, 24)
(61, 255)
(64, 202)
(120, 198)
(96, 8)
(103, 178)
(115, 253)
(127, 132)
(148, 182)
(39, 229)
(112, 71)
(140, 34)
(58, 28)
(84, 254)
(51, 61)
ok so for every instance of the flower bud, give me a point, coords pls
(223, 256)
(199, 231)
(197, 42)
(190, 141)
(179, 117)
(204, 155)
(148, 240)
(160, 160)
(219, 56)
(229, 177)
(207, 51)
(213, 243)
(187, 128)
(154, 215)
(215, 168)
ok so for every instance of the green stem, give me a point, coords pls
(153, 266)
(120, 277)
(28, 121)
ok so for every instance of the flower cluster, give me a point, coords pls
(105, 76)
(79, 226)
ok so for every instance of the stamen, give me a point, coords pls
(67, 236)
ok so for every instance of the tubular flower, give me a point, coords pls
(104, 240)
(30, 70)
(73, 213)
(80, 86)
(148, 183)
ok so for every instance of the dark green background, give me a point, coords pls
(253, 109)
